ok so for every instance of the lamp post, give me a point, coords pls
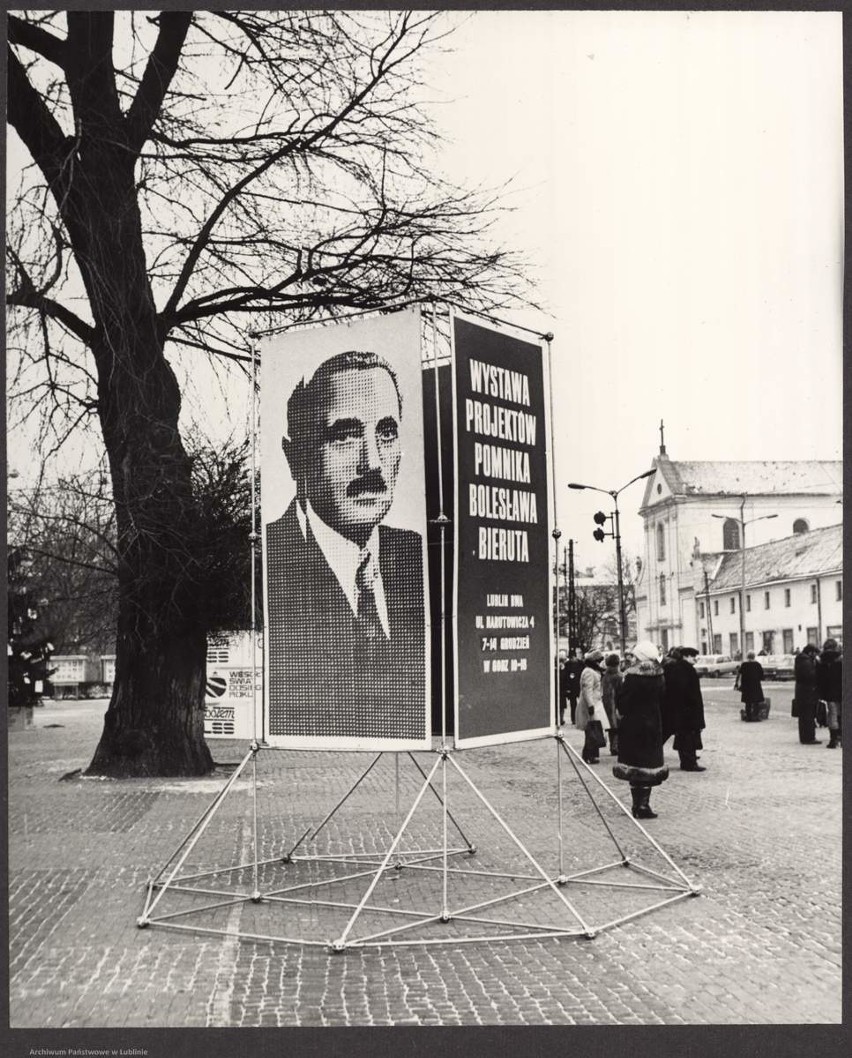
(743, 523)
(614, 493)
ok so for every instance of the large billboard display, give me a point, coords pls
(503, 628)
(344, 526)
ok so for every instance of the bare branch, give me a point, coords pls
(162, 64)
(37, 39)
(39, 130)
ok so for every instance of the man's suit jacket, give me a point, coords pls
(325, 676)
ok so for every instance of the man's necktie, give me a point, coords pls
(367, 614)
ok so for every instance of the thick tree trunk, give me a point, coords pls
(154, 723)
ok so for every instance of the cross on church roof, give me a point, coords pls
(662, 438)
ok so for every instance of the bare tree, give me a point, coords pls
(67, 533)
(191, 173)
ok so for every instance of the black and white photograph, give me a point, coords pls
(424, 517)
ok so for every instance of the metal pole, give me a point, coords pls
(572, 604)
(819, 610)
(742, 580)
(710, 649)
(622, 617)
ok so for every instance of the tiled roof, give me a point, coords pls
(801, 555)
(810, 477)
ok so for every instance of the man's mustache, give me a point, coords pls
(372, 481)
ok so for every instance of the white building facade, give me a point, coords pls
(693, 515)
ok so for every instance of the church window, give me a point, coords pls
(662, 589)
(661, 542)
(731, 535)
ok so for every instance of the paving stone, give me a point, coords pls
(759, 832)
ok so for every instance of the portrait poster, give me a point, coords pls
(343, 510)
(503, 627)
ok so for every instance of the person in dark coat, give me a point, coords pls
(683, 708)
(640, 732)
(748, 682)
(563, 688)
(573, 671)
(830, 689)
(805, 693)
(610, 682)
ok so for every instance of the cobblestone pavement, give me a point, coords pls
(759, 832)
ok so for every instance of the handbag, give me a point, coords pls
(595, 731)
(821, 714)
(794, 708)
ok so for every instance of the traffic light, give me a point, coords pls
(599, 534)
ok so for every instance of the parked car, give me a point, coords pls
(715, 665)
(777, 666)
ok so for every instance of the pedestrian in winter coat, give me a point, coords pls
(805, 693)
(683, 709)
(748, 682)
(573, 670)
(590, 698)
(610, 682)
(640, 732)
(830, 689)
(562, 691)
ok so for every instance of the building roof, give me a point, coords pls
(714, 478)
(792, 557)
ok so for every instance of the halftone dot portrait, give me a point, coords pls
(344, 528)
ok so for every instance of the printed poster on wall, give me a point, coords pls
(344, 526)
(503, 632)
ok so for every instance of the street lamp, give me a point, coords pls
(599, 535)
(743, 523)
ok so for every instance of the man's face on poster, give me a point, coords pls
(351, 473)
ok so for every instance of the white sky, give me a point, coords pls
(679, 185)
(677, 181)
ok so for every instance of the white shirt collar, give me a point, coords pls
(344, 557)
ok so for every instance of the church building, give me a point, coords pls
(719, 531)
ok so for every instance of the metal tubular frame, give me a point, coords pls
(375, 865)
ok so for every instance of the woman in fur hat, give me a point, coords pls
(830, 689)
(640, 734)
(590, 697)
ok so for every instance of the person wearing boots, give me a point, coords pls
(748, 682)
(683, 707)
(830, 689)
(590, 697)
(805, 693)
(640, 733)
(573, 671)
(610, 682)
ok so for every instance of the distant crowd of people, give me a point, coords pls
(646, 698)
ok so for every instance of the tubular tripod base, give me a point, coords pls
(432, 892)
